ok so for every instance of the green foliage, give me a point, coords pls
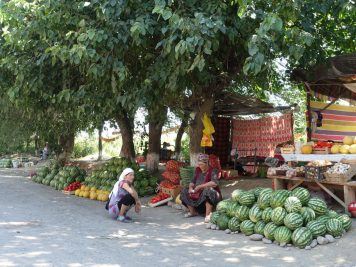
(185, 148)
(83, 148)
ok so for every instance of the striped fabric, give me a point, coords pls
(338, 121)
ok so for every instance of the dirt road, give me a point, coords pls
(43, 227)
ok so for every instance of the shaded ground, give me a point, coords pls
(43, 227)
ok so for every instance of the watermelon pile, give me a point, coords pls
(105, 177)
(59, 177)
(286, 217)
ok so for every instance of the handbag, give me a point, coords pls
(195, 195)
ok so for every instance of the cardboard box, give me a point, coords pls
(174, 192)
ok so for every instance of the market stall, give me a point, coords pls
(330, 155)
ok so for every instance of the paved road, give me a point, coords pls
(43, 227)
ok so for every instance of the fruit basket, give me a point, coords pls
(315, 172)
(287, 150)
(341, 177)
(281, 172)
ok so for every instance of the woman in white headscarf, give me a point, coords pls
(123, 197)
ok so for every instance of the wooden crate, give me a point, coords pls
(287, 150)
(324, 150)
(173, 192)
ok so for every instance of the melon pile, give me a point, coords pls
(286, 217)
(59, 177)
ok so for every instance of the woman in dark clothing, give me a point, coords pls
(203, 193)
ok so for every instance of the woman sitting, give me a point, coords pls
(203, 193)
(123, 197)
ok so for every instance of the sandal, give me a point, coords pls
(188, 215)
(207, 218)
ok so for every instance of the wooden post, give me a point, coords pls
(309, 121)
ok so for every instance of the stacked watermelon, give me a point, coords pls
(282, 216)
(59, 177)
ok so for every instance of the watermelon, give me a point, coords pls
(345, 220)
(293, 220)
(308, 214)
(323, 219)
(264, 199)
(302, 237)
(278, 198)
(214, 217)
(255, 214)
(292, 204)
(302, 194)
(257, 191)
(223, 221)
(259, 227)
(318, 205)
(332, 214)
(316, 228)
(234, 224)
(278, 215)
(334, 227)
(247, 227)
(242, 213)
(231, 209)
(283, 235)
(247, 198)
(266, 214)
(269, 230)
(266, 191)
(223, 205)
(236, 193)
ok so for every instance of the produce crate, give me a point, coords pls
(324, 150)
(173, 192)
(315, 173)
(164, 201)
(300, 174)
(341, 177)
(68, 192)
(287, 150)
(281, 172)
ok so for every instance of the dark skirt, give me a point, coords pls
(208, 194)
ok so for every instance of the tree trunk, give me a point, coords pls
(37, 151)
(154, 141)
(196, 129)
(178, 143)
(100, 143)
(66, 143)
(125, 124)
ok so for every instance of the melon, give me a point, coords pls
(348, 140)
(335, 149)
(307, 149)
(352, 149)
(344, 149)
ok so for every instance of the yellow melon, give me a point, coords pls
(93, 195)
(352, 149)
(86, 194)
(348, 140)
(104, 197)
(81, 193)
(178, 201)
(82, 187)
(335, 149)
(98, 197)
(344, 149)
(307, 149)
(92, 189)
(77, 192)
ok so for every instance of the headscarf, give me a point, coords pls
(203, 158)
(121, 178)
(124, 173)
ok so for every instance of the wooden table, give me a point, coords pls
(349, 188)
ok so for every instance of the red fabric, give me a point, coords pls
(264, 134)
(173, 177)
(140, 159)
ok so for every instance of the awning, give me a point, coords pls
(335, 78)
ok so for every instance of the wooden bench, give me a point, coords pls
(349, 188)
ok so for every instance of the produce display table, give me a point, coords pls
(310, 157)
(349, 188)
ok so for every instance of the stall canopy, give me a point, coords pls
(334, 78)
